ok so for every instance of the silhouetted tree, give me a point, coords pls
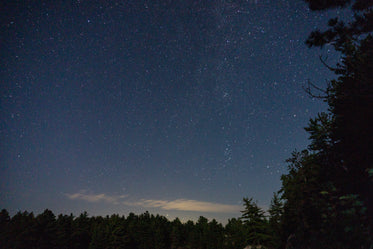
(235, 234)
(46, 230)
(191, 234)
(276, 211)
(256, 225)
(100, 233)
(327, 191)
(4, 226)
(22, 232)
(64, 226)
(177, 236)
(81, 236)
(215, 235)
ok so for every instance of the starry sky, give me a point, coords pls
(181, 108)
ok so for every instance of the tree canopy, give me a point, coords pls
(25, 230)
(327, 192)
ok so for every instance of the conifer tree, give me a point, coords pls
(327, 191)
(256, 225)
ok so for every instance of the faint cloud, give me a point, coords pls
(82, 195)
(186, 205)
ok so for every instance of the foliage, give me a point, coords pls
(255, 223)
(235, 234)
(275, 211)
(327, 192)
(258, 230)
(24, 230)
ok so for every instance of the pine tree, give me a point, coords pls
(255, 223)
(275, 219)
(4, 226)
(235, 234)
(327, 191)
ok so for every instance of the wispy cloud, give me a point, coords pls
(82, 195)
(186, 205)
(178, 204)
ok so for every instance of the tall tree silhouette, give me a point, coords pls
(328, 188)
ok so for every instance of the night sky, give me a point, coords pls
(181, 108)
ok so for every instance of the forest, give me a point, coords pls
(326, 197)
(25, 230)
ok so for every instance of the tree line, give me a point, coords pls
(144, 231)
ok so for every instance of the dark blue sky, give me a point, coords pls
(177, 107)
